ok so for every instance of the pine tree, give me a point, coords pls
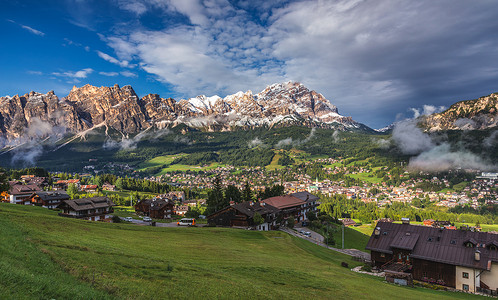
(247, 192)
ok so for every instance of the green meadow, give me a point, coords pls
(44, 256)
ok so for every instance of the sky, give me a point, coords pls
(377, 61)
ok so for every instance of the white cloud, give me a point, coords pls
(30, 29)
(410, 139)
(364, 56)
(128, 74)
(110, 74)
(111, 59)
(77, 75)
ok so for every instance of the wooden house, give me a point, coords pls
(108, 187)
(89, 188)
(181, 210)
(50, 199)
(289, 206)
(311, 201)
(242, 215)
(348, 222)
(63, 184)
(20, 193)
(461, 259)
(94, 209)
(156, 208)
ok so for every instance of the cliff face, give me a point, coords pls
(481, 113)
(120, 108)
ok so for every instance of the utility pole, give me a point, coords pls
(342, 236)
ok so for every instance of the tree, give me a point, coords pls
(4, 184)
(232, 193)
(258, 219)
(247, 192)
(119, 183)
(215, 200)
(311, 216)
(72, 190)
(290, 222)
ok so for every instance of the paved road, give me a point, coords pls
(318, 239)
(171, 224)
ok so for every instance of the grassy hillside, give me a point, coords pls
(46, 256)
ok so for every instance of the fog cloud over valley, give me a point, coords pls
(430, 154)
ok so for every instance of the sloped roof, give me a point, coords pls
(88, 203)
(52, 195)
(20, 189)
(250, 209)
(305, 196)
(282, 202)
(436, 244)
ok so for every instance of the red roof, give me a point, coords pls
(285, 201)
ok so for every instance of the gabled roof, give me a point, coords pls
(20, 189)
(305, 196)
(250, 209)
(282, 202)
(404, 240)
(52, 195)
(435, 244)
(88, 203)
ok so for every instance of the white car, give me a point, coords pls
(147, 219)
(128, 219)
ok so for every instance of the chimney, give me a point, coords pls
(377, 231)
(477, 255)
(405, 221)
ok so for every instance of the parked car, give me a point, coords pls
(147, 219)
(128, 219)
(186, 222)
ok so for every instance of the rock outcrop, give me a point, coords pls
(476, 114)
(120, 108)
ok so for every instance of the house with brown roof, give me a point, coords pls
(49, 199)
(242, 215)
(289, 206)
(156, 208)
(94, 209)
(461, 259)
(311, 201)
(19, 193)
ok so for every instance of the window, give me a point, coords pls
(492, 247)
(465, 287)
(465, 275)
(382, 255)
(429, 239)
(453, 242)
(469, 245)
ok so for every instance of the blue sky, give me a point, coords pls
(375, 60)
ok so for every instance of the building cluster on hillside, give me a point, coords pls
(476, 193)
(30, 191)
(295, 205)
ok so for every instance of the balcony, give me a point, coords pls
(87, 215)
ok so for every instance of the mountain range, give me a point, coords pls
(35, 115)
(291, 103)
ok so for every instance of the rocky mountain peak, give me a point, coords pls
(475, 114)
(279, 104)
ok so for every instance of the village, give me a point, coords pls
(435, 252)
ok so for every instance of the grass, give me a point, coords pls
(274, 163)
(366, 177)
(159, 161)
(353, 239)
(47, 256)
(179, 167)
